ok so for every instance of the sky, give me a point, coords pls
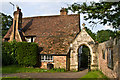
(32, 8)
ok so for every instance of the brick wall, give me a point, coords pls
(119, 58)
(44, 65)
(111, 73)
(58, 62)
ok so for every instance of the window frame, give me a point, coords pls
(46, 58)
(31, 38)
(103, 54)
(110, 58)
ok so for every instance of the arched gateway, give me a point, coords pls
(83, 38)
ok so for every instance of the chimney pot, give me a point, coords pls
(63, 11)
(20, 10)
(17, 8)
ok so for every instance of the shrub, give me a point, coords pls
(26, 53)
(22, 53)
(7, 53)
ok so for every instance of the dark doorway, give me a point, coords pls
(84, 58)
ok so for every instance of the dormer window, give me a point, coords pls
(30, 38)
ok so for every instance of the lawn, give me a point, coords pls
(16, 78)
(94, 75)
(18, 69)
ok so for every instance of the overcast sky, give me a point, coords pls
(44, 8)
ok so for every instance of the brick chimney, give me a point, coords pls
(18, 18)
(17, 25)
(63, 11)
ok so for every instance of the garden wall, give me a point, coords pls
(104, 62)
(119, 58)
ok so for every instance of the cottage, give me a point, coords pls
(52, 33)
(59, 38)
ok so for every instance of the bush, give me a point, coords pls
(26, 53)
(8, 53)
(22, 53)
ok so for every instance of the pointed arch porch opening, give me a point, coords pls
(84, 58)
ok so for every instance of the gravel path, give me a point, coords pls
(49, 76)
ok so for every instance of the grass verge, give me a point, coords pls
(94, 75)
(20, 69)
(13, 78)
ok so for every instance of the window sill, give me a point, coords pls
(46, 60)
(110, 67)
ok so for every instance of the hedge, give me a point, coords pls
(8, 53)
(22, 53)
(26, 53)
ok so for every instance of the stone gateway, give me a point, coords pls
(83, 38)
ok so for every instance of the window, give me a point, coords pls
(110, 58)
(47, 58)
(30, 38)
(42, 57)
(103, 52)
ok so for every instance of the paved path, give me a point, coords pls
(63, 75)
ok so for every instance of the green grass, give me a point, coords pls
(15, 78)
(20, 69)
(94, 75)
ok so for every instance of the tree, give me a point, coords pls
(6, 23)
(104, 35)
(91, 33)
(105, 12)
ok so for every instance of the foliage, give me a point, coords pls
(26, 53)
(57, 70)
(90, 33)
(105, 12)
(94, 75)
(18, 69)
(6, 23)
(22, 53)
(8, 54)
(117, 34)
(104, 35)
